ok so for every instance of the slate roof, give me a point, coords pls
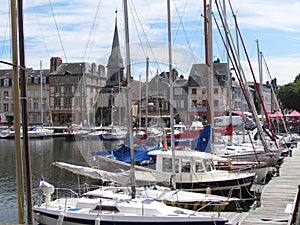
(197, 76)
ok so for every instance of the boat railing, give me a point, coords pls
(65, 193)
(60, 193)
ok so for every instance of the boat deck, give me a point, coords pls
(277, 197)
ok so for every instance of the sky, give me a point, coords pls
(82, 31)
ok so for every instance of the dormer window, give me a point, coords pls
(6, 83)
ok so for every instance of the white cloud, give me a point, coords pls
(147, 21)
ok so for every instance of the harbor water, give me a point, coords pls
(43, 153)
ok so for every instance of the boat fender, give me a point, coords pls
(47, 198)
(97, 221)
(208, 191)
(60, 218)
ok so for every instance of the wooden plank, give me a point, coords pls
(279, 193)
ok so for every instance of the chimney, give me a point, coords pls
(101, 70)
(54, 63)
(93, 68)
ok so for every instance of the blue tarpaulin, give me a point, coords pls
(123, 153)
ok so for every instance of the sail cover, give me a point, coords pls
(120, 178)
(144, 176)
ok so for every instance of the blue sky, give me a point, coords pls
(85, 29)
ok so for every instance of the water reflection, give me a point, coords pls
(43, 153)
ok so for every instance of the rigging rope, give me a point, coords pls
(92, 29)
(5, 33)
(273, 91)
(240, 69)
(180, 23)
(131, 5)
(238, 75)
(253, 76)
(61, 43)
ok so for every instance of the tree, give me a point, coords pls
(289, 94)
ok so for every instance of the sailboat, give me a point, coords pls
(116, 209)
(106, 207)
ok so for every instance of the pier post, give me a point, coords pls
(277, 170)
(258, 197)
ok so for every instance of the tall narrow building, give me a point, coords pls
(111, 102)
(115, 65)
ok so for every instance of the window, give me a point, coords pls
(178, 91)
(29, 105)
(194, 103)
(209, 164)
(6, 82)
(36, 93)
(180, 104)
(68, 101)
(57, 102)
(199, 167)
(167, 165)
(216, 90)
(35, 106)
(29, 80)
(68, 79)
(5, 107)
(44, 80)
(67, 89)
(204, 103)
(194, 91)
(57, 79)
(216, 103)
(44, 94)
(36, 80)
(186, 166)
(57, 90)
(28, 93)
(6, 94)
(34, 118)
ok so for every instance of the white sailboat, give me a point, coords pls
(119, 210)
(107, 208)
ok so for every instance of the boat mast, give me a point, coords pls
(209, 63)
(229, 84)
(41, 84)
(147, 93)
(27, 164)
(129, 104)
(260, 73)
(19, 171)
(171, 81)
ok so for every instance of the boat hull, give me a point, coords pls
(239, 187)
(43, 217)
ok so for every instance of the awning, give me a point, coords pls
(293, 114)
(277, 114)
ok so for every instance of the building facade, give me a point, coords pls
(73, 92)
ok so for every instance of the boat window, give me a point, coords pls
(199, 167)
(209, 164)
(167, 165)
(186, 166)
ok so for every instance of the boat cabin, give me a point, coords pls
(190, 162)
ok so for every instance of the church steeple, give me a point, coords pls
(115, 62)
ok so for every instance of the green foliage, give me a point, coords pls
(297, 78)
(289, 94)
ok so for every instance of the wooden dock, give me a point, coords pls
(277, 197)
